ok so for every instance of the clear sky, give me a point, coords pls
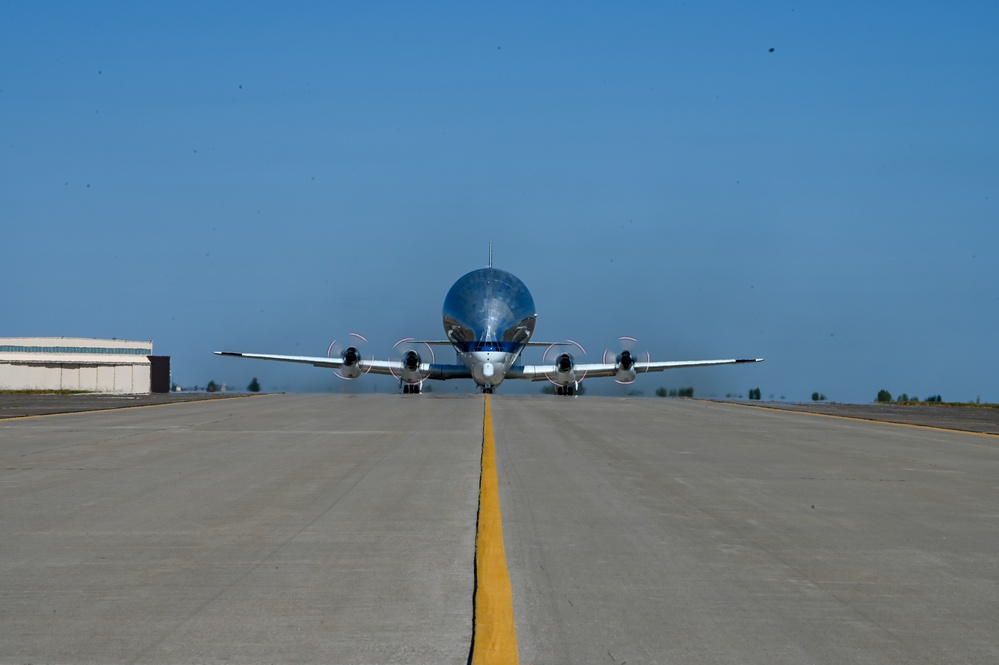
(814, 183)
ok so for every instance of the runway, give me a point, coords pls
(341, 529)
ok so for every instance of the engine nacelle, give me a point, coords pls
(625, 367)
(351, 363)
(411, 362)
(564, 373)
(411, 370)
(564, 363)
(564, 378)
(351, 356)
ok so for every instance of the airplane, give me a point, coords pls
(489, 318)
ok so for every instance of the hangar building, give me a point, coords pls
(72, 363)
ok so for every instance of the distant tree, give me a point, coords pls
(686, 392)
(548, 389)
(818, 397)
(661, 392)
(754, 393)
(254, 386)
(902, 398)
(211, 387)
(426, 387)
(884, 396)
(935, 399)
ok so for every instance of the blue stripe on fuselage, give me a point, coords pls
(481, 346)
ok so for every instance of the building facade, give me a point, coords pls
(75, 364)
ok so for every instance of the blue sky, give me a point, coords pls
(817, 185)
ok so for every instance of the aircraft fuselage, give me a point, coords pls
(489, 317)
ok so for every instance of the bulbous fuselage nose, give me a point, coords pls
(489, 305)
(489, 316)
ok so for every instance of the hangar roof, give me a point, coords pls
(73, 349)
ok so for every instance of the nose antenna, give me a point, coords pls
(490, 253)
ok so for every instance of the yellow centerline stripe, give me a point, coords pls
(495, 638)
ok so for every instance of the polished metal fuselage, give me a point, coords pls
(489, 317)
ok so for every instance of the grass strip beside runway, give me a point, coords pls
(495, 636)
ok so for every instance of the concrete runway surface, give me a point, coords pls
(318, 528)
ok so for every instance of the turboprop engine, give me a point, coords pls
(625, 367)
(564, 363)
(564, 375)
(411, 367)
(624, 362)
(350, 369)
(351, 355)
(414, 371)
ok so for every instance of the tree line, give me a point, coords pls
(884, 397)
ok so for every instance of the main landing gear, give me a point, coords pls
(411, 389)
(567, 391)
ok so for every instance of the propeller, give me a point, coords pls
(411, 349)
(350, 352)
(562, 362)
(626, 359)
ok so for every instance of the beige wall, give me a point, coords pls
(125, 379)
(74, 363)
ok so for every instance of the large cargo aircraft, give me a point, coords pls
(489, 319)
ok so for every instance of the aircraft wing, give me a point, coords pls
(334, 363)
(365, 365)
(611, 369)
(586, 370)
